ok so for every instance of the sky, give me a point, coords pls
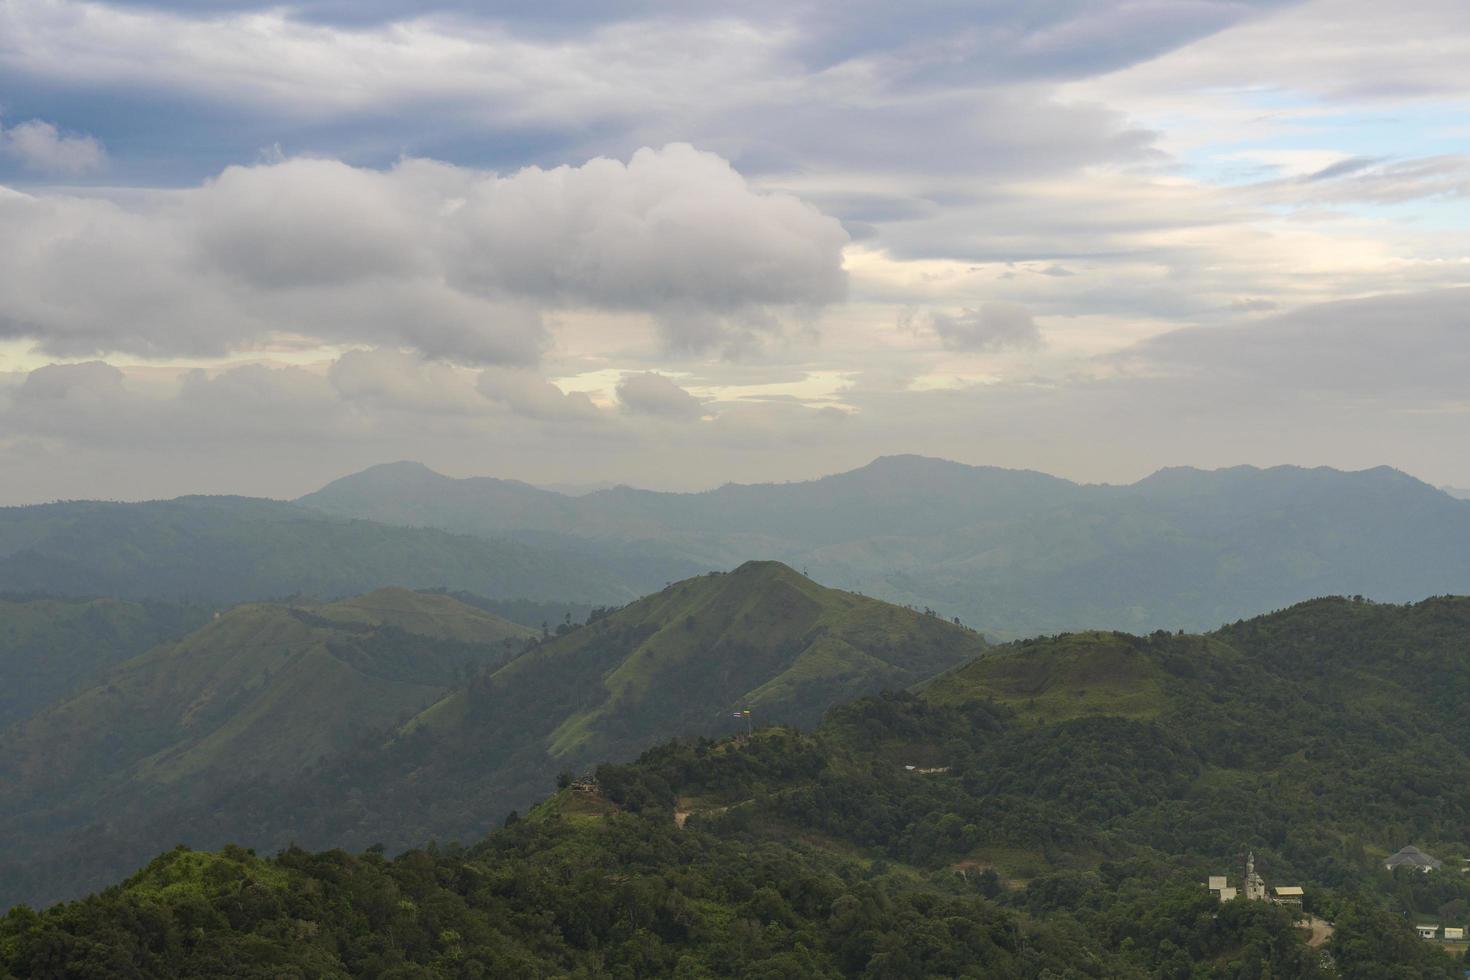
(251, 247)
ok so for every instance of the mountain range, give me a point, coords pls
(1011, 552)
(234, 549)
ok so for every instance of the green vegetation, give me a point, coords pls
(800, 872)
(1013, 552)
(50, 648)
(261, 692)
(233, 549)
(1046, 808)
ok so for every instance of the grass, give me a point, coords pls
(1072, 676)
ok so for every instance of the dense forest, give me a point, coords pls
(1050, 808)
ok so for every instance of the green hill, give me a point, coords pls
(234, 549)
(49, 648)
(682, 660)
(266, 719)
(426, 614)
(1049, 808)
(261, 692)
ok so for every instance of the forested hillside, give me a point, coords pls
(262, 691)
(234, 549)
(1067, 797)
(1017, 552)
(331, 725)
(50, 648)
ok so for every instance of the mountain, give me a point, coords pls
(1017, 551)
(275, 724)
(762, 637)
(51, 647)
(1459, 493)
(1048, 808)
(232, 549)
(260, 691)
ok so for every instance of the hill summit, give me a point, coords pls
(763, 637)
(274, 723)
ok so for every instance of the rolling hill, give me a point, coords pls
(1017, 551)
(233, 549)
(1047, 808)
(275, 724)
(682, 660)
(261, 691)
(51, 647)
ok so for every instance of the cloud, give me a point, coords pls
(1351, 384)
(456, 263)
(532, 396)
(41, 147)
(403, 381)
(993, 326)
(1404, 349)
(650, 393)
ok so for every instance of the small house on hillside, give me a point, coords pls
(1287, 895)
(1427, 931)
(1412, 857)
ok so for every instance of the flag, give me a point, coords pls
(738, 715)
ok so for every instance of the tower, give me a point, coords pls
(1255, 885)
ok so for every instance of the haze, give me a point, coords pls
(251, 247)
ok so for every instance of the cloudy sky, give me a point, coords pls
(250, 247)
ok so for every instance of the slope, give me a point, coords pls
(232, 549)
(1070, 794)
(426, 614)
(49, 648)
(261, 692)
(674, 663)
(763, 637)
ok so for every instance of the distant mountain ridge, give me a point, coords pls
(234, 549)
(1011, 551)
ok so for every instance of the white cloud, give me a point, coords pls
(454, 262)
(528, 394)
(403, 381)
(41, 147)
